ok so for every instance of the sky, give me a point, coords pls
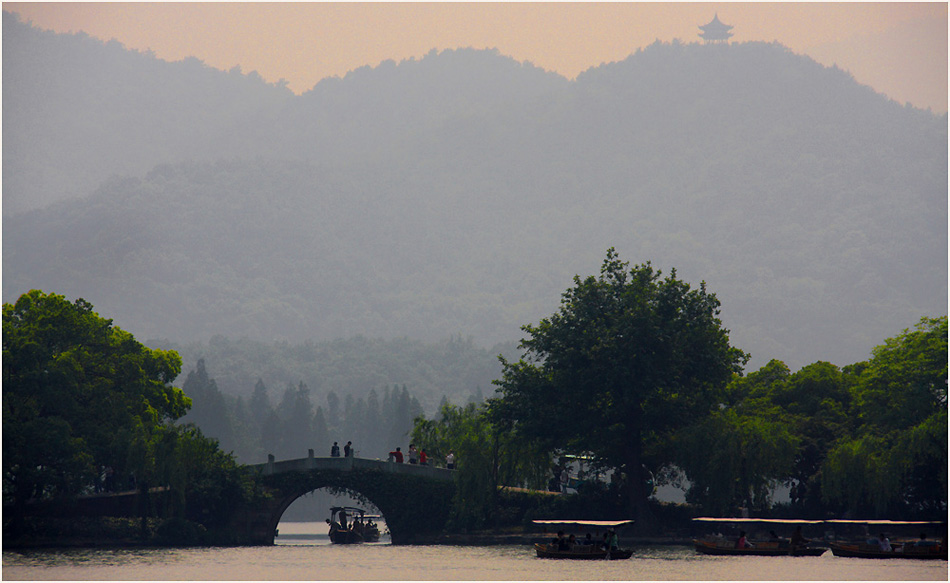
(899, 49)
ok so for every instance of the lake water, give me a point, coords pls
(303, 552)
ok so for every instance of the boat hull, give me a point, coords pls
(582, 553)
(866, 551)
(760, 550)
(345, 537)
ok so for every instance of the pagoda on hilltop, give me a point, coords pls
(715, 31)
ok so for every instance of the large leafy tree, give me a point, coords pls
(78, 393)
(629, 358)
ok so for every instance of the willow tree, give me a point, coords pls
(628, 359)
(895, 460)
(487, 456)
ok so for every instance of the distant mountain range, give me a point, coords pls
(459, 193)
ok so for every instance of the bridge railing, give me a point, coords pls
(346, 464)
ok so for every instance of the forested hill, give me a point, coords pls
(77, 110)
(459, 194)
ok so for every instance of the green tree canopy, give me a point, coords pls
(630, 358)
(894, 461)
(488, 455)
(72, 383)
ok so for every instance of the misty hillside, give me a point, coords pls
(77, 111)
(459, 194)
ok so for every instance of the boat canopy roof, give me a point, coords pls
(360, 511)
(803, 521)
(604, 523)
(754, 520)
(893, 522)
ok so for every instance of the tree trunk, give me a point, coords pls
(639, 507)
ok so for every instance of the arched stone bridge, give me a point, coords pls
(415, 500)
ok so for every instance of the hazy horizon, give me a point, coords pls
(899, 49)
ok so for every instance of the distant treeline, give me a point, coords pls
(281, 398)
(290, 426)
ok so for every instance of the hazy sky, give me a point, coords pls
(900, 49)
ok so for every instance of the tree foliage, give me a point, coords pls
(72, 383)
(487, 455)
(796, 418)
(894, 459)
(630, 358)
(86, 406)
(735, 460)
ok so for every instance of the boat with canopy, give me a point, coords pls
(871, 547)
(858, 534)
(773, 546)
(583, 549)
(360, 528)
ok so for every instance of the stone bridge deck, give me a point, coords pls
(344, 464)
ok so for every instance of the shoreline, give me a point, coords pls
(443, 539)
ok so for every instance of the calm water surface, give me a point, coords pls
(302, 555)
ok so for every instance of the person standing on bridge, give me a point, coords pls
(348, 449)
(335, 450)
(423, 458)
(396, 455)
(450, 460)
(413, 454)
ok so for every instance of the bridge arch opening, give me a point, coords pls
(303, 521)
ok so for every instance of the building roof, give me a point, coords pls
(715, 30)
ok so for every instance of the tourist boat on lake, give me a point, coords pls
(863, 544)
(771, 547)
(580, 550)
(900, 550)
(780, 548)
(360, 528)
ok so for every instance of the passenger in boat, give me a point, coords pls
(563, 544)
(613, 542)
(589, 540)
(923, 542)
(571, 542)
(343, 519)
(559, 543)
(798, 540)
(884, 543)
(742, 543)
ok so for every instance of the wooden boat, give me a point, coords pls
(772, 547)
(581, 552)
(907, 550)
(762, 549)
(361, 529)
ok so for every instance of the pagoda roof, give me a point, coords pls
(715, 30)
(716, 25)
